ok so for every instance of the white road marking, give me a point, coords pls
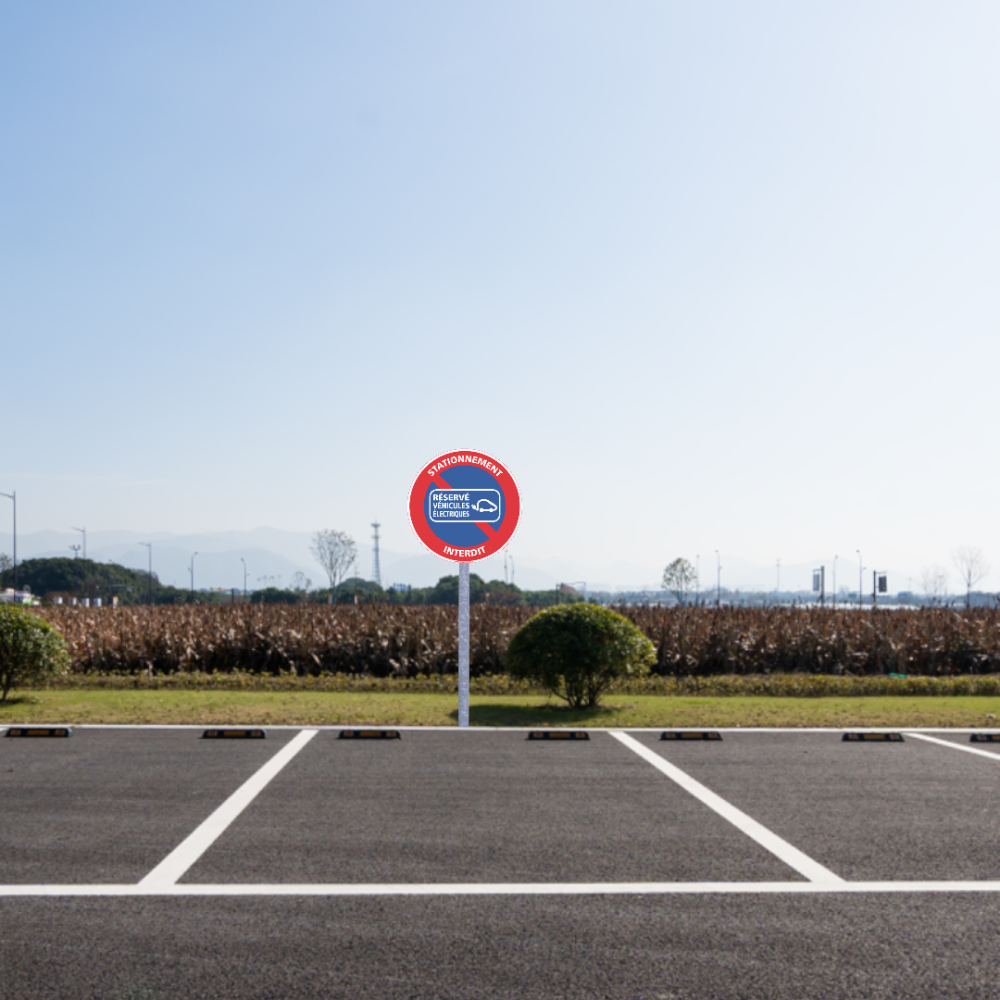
(182, 857)
(792, 856)
(501, 889)
(954, 746)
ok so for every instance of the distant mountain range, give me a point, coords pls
(272, 557)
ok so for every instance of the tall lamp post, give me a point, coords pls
(13, 496)
(860, 571)
(149, 588)
(83, 531)
(242, 560)
(191, 571)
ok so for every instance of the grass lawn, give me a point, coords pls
(420, 709)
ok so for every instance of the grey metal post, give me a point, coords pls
(463, 644)
(13, 496)
(83, 531)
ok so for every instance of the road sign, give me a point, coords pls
(464, 506)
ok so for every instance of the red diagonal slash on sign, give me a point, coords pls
(488, 528)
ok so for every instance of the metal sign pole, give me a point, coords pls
(463, 644)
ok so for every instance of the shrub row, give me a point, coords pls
(407, 642)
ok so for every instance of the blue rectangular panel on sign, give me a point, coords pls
(455, 506)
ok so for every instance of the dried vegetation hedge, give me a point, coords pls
(408, 641)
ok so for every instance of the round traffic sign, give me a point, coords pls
(464, 506)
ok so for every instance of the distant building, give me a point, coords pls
(11, 596)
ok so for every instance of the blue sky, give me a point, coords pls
(704, 276)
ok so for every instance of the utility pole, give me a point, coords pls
(13, 496)
(83, 531)
(149, 588)
(192, 576)
(242, 560)
(376, 572)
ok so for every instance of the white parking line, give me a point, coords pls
(954, 746)
(792, 856)
(182, 857)
(502, 889)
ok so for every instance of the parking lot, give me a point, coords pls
(150, 862)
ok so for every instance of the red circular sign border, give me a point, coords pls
(496, 540)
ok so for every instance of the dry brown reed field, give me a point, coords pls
(393, 641)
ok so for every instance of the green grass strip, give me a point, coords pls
(298, 707)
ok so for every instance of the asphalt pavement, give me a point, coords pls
(447, 810)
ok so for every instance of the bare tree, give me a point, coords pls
(934, 580)
(301, 583)
(972, 567)
(678, 577)
(335, 552)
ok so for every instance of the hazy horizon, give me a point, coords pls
(272, 557)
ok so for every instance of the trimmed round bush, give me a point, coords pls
(576, 650)
(30, 648)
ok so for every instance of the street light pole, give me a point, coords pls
(149, 588)
(192, 576)
(83, 531)
(13, 496)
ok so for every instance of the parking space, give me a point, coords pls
(159, 809)
(478, 807)
(106, 805)
(869, 812)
